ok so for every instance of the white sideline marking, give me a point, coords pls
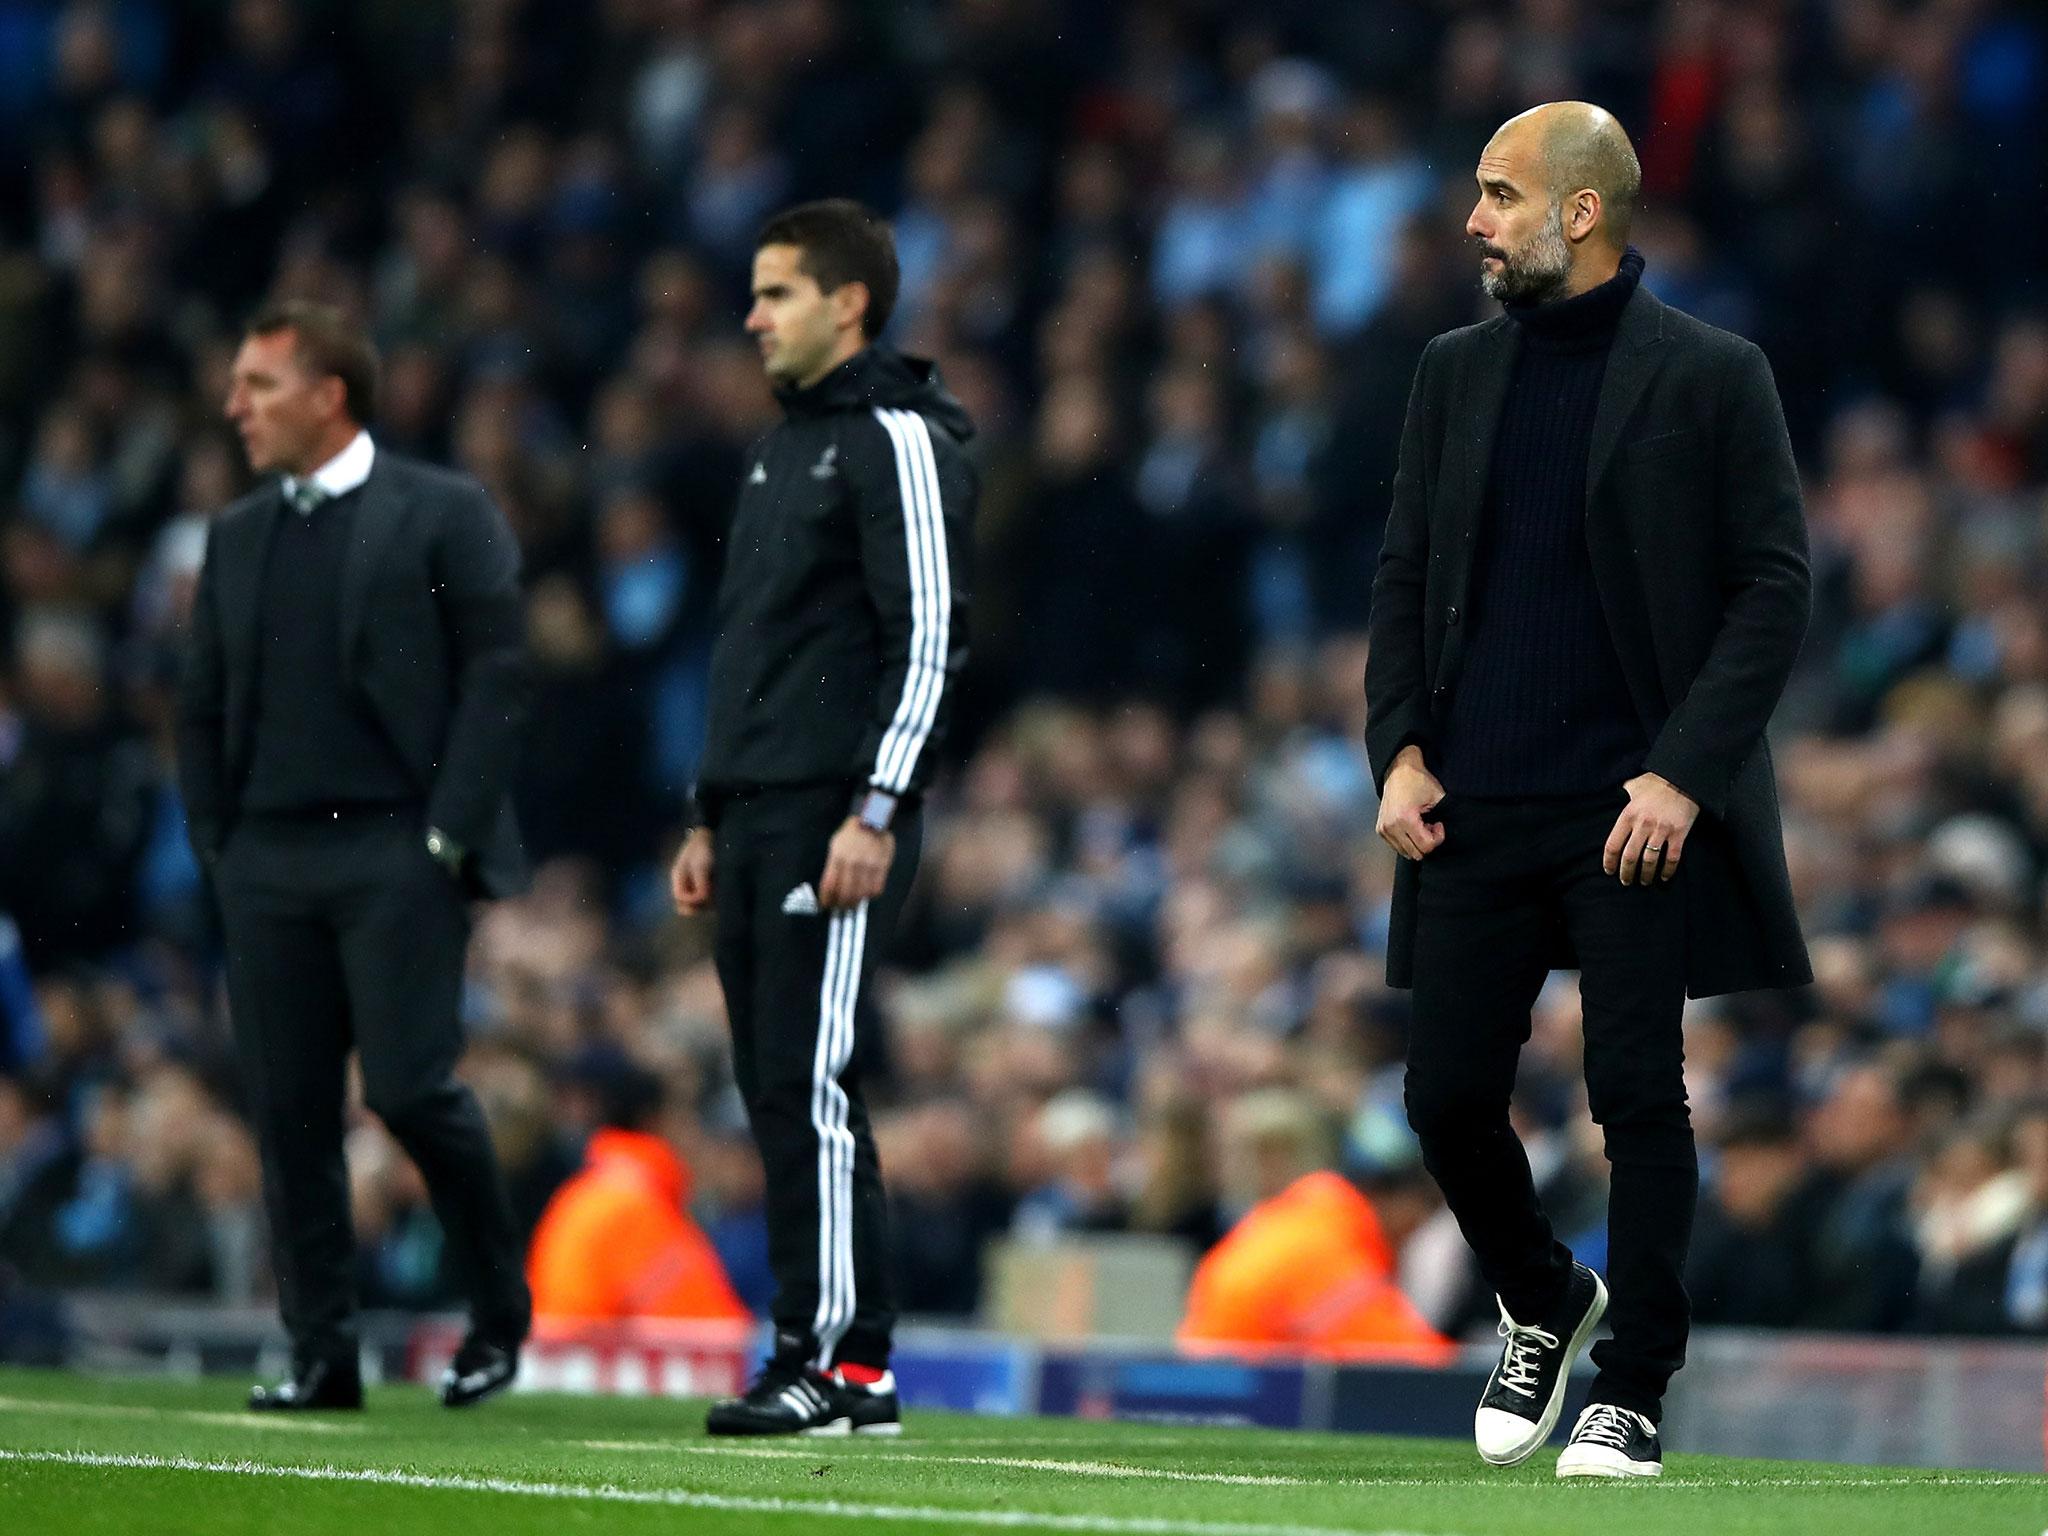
(1020, 1463)
(620, 1445)
(684, 1498)
(288, 1422)
(888, 1453)
(885, 1452)
(1908, 1479)
(1073, 1442)
(876, 1446)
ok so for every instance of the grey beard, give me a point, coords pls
(1538, 272)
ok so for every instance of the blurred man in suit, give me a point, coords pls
(352, 697)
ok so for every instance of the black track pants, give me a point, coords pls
(795, 980)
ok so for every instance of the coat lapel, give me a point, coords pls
(377, 519)
(1477, 395)
(1475, 412)
(1630, 366)
(241, 585)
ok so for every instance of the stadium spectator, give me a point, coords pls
(617, 1241)
(1076, 1136)
(1748, 1265)
(38, 1167)
(1308, 1267)
(942, 1188)
(74, 803)
(1864, 1264)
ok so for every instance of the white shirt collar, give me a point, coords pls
(344, 472)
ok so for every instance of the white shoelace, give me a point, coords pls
(1523, 1357)
(1605, 1424)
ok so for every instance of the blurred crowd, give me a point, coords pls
(1179, 260)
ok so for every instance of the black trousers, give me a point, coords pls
(1490, 899)
(342, 932)
(803, 1030)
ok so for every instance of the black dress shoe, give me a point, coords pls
(320, 1385)
(479, 1370)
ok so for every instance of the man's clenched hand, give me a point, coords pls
(856, 865)
(1411, 789)
(689, 880)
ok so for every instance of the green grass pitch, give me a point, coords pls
(79, 1457)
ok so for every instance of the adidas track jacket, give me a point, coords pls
(842, 615)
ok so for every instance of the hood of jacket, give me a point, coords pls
(878, 377)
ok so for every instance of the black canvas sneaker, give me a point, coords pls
(1525, 1393)
(1612, 1442)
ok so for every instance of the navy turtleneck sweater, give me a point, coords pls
(1540, 706)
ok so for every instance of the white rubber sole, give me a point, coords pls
(839, 1428)
(1598, 1461)
(1554, 1409)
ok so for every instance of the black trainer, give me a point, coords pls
(1612, 1442)
(790, 1397)
(1525, 1393)
(479, 1370)
(793, 1397)
(866, 1408)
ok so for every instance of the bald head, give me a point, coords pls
(1582, 148)
(1557, 189)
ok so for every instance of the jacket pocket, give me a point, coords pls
(1662, 444)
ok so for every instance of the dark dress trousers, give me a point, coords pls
(356, 675)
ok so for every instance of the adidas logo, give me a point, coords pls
(759, 476)
(801, 902)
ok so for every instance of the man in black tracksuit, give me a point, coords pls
(841, 632)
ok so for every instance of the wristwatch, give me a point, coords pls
(445, 851)
(874, 809)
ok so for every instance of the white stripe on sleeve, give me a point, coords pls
(931, 598)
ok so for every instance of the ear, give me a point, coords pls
(1585, 213)
(850, 304)
(334, 394)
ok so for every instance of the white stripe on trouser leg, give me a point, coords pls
(837, 995)
(821, 1055)
(839, 1113)
(838, 1265)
